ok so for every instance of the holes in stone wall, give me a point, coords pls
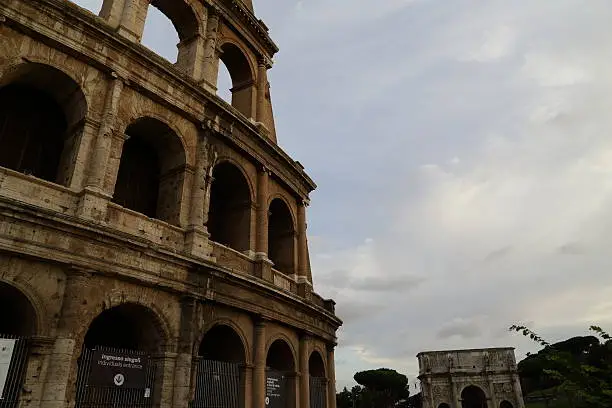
(151, 173)
(281, 237)
(42, 112)
(229, 220)
(224, 83)
(159, 35)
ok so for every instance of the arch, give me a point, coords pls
(152, 170)
(444, 405)
(280, 356)
(229, 220)
(505, 404)
(42, 115)
(20, 317)
(316, 365)
(241, 72)
(129, 326)
(281, 236)
(223, 343)
(473, 396)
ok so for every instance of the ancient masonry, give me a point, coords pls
(483, 378)
(153, 246)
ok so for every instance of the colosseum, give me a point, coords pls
(153, 247)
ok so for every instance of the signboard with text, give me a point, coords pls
(118, 369)
(276, 390)
(7, 346)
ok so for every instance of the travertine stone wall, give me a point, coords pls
(75, 254)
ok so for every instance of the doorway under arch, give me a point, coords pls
(318, 381)
(473, 397)
(505, 404)
(280, 375)
(118, 363)
(220, 371)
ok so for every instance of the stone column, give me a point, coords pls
(456, 403)
(191, 56)
(259, 372)
(263, 265)
(95, 198)
(210, 70)
(331, 377)
(164, 379)
(60, 380)
(304, 372)
(262, 83)
(302, 269)
(131, 24)
(196, 239)
(492, 393)
(246, 374)
(112, 11)
(518, 393)
(40, 348)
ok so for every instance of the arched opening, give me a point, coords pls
(42, 116)
(444, 405)
(224, 83)
(159, 35)
(152, 171)
(318, 382)
(129, 326)
(118, 360)
(281, 237)
(280, 378)
(220, 372)
(229, 219)
(170, 30)
(18, 318)
(473, 397)
(505, 404)
(241, 74)
(17, 322)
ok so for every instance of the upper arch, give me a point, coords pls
(225, 159)
(237, 61)
(233, 326)
(285, 339)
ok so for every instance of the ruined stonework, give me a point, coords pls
(142, 214)
(483, 378)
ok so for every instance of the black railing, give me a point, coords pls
(218, 385)
(13, 364)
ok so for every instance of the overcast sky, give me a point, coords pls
(463, 154)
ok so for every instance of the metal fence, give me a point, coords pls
(92, 396)
(217, 385)
(318, 392)
(16, 372)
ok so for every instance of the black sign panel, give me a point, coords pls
(276, 390)
(118, 369)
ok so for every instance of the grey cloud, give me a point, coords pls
(383, 284)
(572, 248)
(465, 329)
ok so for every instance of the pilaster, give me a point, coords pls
(304, 372)
(259, 371)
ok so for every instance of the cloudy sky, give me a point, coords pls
(463, 154)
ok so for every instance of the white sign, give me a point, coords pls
(6, 354)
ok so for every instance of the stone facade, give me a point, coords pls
(138, 210)
(483, 378)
